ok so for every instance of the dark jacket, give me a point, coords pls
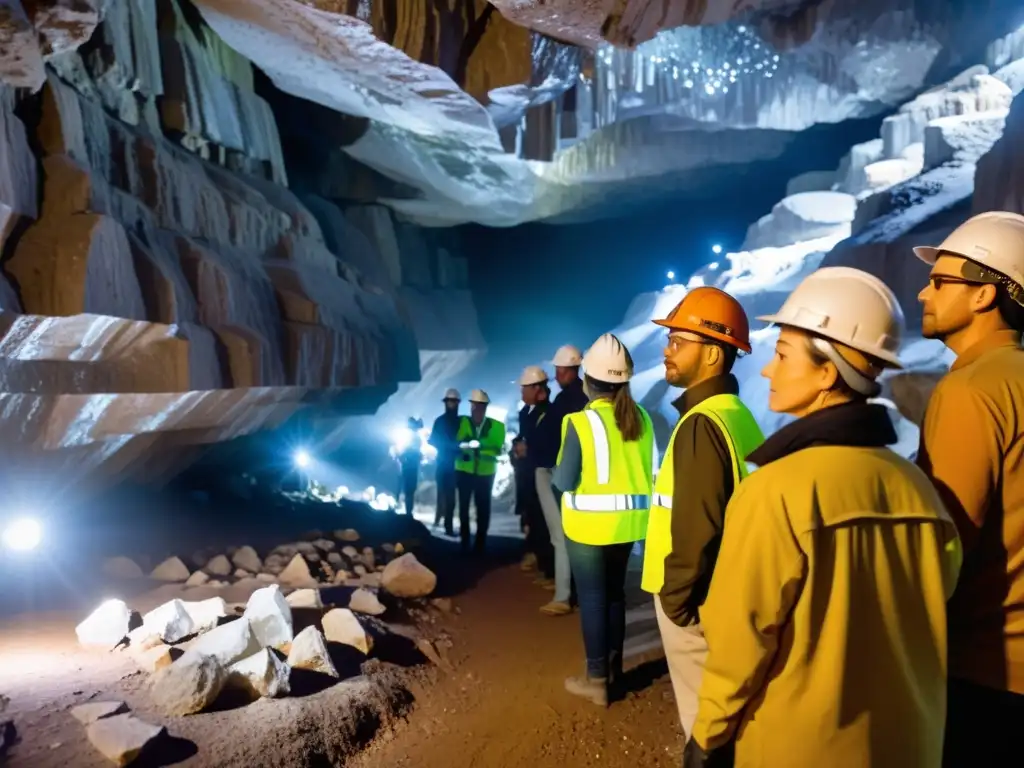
(702, 467)
(530, 421)
(548, 437)
(443, 438)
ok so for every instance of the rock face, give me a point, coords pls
(406, 576)
(175, 291)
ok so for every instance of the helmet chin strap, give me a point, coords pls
(854, 379)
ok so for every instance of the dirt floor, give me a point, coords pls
(504, 704)
(496, 700)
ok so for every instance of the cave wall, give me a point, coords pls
(162, 287)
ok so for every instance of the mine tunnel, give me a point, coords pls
(289, 288)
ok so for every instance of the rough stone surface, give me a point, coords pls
(97, 710)
(228, 643)
(263, 674)
(297, 573)
(247, 559)
(342, 626)
(365, 601)
(197, 579)
(405, 576)
(189, 685)
(122, 738)
(270, 616)
(305, 598)
(219, 566)
(170, 622)
(106, 626)
(205, 614)
(309, 651)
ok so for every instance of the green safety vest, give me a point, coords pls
(742, 435)
(611, 503)
(483, 460)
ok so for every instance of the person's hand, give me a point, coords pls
(526, 530)
(466, 446)
(474, 444)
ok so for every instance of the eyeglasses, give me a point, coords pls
(938, 281)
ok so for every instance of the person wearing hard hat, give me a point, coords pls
(481, 440)
(547, 443)
(605, 474)
(706, 459)
(826, 615)
(972, 446)
(535, 393)
(443, 438)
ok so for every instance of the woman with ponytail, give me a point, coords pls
(605, 471)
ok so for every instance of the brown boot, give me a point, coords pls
(593, 689)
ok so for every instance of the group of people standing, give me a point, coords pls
(822, 600)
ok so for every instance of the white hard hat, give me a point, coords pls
(994, 240)
(532, 374)
(609, 361)
(479, 396)
(848, 306)
(452, 394)
(568, 356)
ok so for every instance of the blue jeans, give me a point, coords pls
(600, 574)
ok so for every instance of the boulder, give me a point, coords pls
(371, 580)
(365, 601)
(309, 651)
(405, 576)
(270, 616)
(247, 559)
(170, 622)
(171, 569)
(262, 675)
(325, 545)
(241, 573)
(348, 534)
(342, 626)
(206, 613)
(197, 579)
(228, 643)
(267, 578)
(189, 685)
(122, 568)
(106, 626)
(97, 710)
(305, 598)
(297, 573)
(122, 738)
(219, 566)
(335, 559)
(350, 552)
(156, 657)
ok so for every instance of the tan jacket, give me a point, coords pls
(972, 446)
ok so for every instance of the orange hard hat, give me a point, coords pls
(712, 313)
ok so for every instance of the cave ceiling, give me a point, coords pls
(450, 91)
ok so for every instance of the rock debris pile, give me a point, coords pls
(315, 614)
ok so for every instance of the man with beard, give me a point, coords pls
(972, 446)
(705, 461)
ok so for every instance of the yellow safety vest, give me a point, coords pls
(483, 460)
(742, 435)
(611, 504)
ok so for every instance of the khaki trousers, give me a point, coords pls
(686, 650)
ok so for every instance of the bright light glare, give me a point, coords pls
(716, 248)
(302, 459)
(671, 275)
(22, 535)
(383, 502)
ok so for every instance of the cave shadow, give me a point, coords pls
(458, 571)
(643, 675)
(165, 751)
(392, 648)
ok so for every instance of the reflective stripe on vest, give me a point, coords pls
(611, 503)
(742, 435)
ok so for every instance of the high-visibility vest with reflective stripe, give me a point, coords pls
(742, 435)
(611, 503)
